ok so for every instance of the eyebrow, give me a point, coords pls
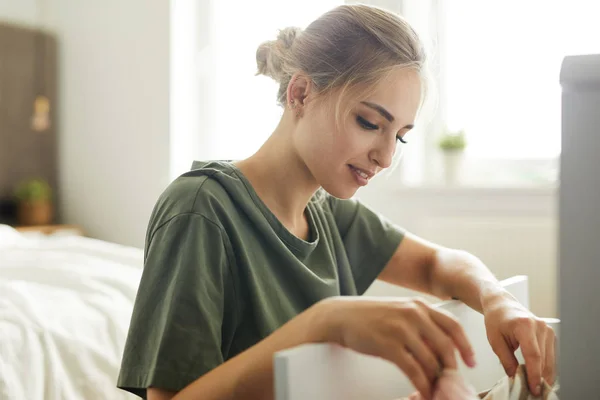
(385, 113)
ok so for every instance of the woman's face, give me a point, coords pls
(344, 158)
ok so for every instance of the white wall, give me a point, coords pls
(114, 112)
(19, 11)
(129, 112)
(513, 230)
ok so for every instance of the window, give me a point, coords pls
(219, 108)
(498, 65)
(500, 71)
(245, 105)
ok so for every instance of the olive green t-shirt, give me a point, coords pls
(221, 273)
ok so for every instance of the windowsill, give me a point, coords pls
(520, 199)
(408, 203)
(461, 199)
(492, 189)
(393, 184)
(475, 175)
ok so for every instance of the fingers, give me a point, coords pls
(527, 338)
(412, 369)
(548, 372)
(505, 355)
(541, 341)
(423, 354)
(440, 342)
(442, 332)
(452, 328)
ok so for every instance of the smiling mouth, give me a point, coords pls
(360, 172)
(361, 176)
(367, 174)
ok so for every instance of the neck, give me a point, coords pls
(280, 177)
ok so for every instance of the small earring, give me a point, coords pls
(293, 103)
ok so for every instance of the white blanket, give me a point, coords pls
(65, 305)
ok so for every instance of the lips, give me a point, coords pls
(361, 176)
(365, 173)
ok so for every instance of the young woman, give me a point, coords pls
(243, 259)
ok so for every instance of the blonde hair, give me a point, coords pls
(348, 49)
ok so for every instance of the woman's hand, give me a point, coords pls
(420, 340)
(510, 325)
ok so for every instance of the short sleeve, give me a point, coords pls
(182, 308)
(369, 238)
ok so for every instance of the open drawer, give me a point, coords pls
(331, 372)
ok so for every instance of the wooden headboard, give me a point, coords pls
(28, 71)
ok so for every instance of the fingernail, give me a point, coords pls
(472, 361)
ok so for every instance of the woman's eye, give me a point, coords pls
(371, 127)
(366, 124)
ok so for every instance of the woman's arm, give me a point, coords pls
(442, 272)
(448, 273)
(420, 340)
(461, 275)
(159, 394)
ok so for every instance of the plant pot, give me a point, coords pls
(453, 162)
(35, 213)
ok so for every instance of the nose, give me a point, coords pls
(383, 155)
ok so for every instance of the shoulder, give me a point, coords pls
(200, 191)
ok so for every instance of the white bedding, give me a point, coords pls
(65, 305)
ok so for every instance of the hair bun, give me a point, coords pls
(272, 55)
(287, 36)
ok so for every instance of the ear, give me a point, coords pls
(298, 90)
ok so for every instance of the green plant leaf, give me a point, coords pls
(453, 141)
(33, 190)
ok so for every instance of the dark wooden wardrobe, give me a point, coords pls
(28, 88)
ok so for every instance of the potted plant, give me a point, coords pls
(453, 144)
(34, 202)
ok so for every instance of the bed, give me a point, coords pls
(65, 305)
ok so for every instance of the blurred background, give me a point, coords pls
(103, 103)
